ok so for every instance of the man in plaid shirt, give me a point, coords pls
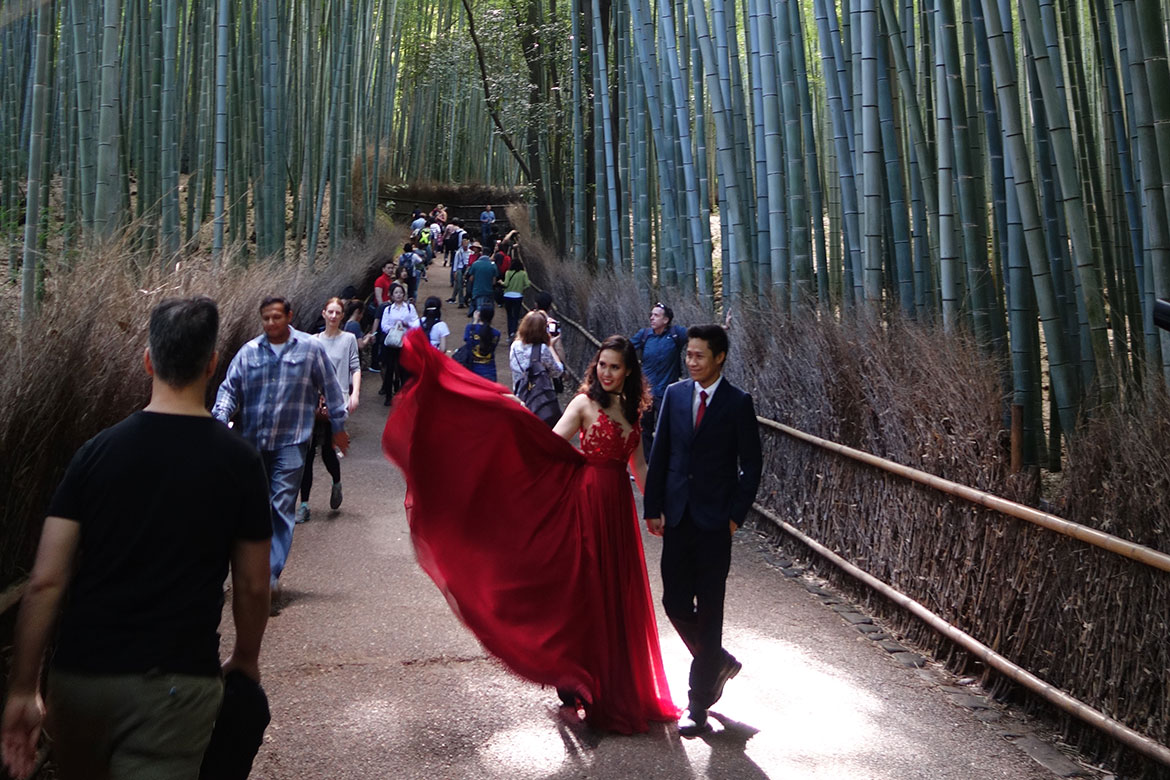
(274, 383)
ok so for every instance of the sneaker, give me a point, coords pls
(335, 496)
(302, 514)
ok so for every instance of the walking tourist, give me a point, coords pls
(382, 299)
(484, 276)
(142, 544)
(515, 283)
(482, 339)
(487, 222)
(342, 347)
(274, 385)
(459, 264)
(432, 323)
(414, 265)
(399, 317)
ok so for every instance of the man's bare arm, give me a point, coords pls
(250, 600)
(24, 711)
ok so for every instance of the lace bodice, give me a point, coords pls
(604, 440)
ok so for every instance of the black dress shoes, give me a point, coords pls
(729, 669)
(693, 723)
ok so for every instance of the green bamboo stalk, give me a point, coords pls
(108, 185)
(1063, 380)
(1076, 218)
(36, 157)
(221, 129)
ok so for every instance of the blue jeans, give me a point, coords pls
(283, 467)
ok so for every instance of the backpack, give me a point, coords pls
(537, 392)
(409, 261)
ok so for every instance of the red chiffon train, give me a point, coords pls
(535, 545)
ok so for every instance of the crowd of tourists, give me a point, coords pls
(142, 547)
(480, 279)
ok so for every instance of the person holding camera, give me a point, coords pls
(534, 331)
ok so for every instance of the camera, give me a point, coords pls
(1162, 313)
(554, 327)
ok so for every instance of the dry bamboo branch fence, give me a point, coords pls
(1047, 691)
(1137, 552)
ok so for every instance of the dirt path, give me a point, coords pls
(371, 676)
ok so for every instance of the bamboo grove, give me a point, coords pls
(999, 167)
(255, 127)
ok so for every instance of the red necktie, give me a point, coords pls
(702, 407)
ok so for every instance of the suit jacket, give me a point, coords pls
(713, 471)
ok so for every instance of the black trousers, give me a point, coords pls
(323, 438)
(695, 564)
(392, 374)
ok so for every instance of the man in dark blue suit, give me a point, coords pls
(703, 476)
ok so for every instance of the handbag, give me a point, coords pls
(536, 390)
(462, 356)
(395, 335)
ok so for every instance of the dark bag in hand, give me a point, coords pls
(239, 729)
(537, 392)
(462, 356)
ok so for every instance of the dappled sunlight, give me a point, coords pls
(528, 750)
(787, 709)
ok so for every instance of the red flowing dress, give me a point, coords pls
(535, 545)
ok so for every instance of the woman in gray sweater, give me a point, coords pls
(342, 347)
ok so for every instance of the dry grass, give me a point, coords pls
(77, 367)
(1089, 622)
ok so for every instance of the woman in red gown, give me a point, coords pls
(537, 545)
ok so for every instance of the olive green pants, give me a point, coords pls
(130, 726)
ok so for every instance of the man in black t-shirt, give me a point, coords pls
(141, 531)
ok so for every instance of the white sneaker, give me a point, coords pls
(335, 496)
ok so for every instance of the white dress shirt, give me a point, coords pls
(696, 399)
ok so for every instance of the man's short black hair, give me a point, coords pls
(271, 299)
(544, 300)
(714, 335)
(408, 247)
(182, 338)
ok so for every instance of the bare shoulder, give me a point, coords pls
(579, 404)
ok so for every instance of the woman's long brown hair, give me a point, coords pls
(635, 391)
